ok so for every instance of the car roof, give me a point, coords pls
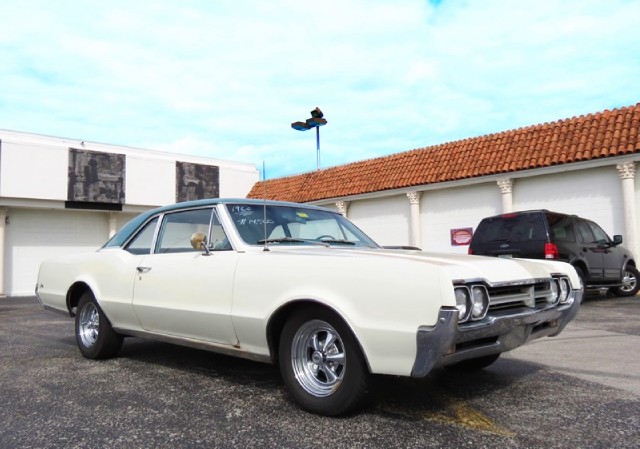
(527, 212)
(125, 232)
(214, 201)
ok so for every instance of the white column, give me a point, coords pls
(416, 225)
(627, 173)
(113, 223)
(506, 188)
(3, 221)
(343, 207)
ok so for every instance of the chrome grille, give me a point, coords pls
(530, 295)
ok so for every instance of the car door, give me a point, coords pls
(187, 292)
(591, 251)
(611, 259)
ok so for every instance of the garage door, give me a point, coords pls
(35, 235)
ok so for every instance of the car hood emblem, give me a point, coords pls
(504, 245)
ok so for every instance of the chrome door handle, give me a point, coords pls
(143, 269)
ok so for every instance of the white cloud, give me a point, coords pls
(225, 79)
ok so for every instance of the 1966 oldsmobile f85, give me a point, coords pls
(302, 287)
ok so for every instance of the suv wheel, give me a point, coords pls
(630, 281)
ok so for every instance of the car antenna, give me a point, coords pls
(264, 207)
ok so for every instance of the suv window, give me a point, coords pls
(586, 236)
(511, 228)
(598, 232)
(561, 229)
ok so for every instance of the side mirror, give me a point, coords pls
(199, 242)
(617, 239)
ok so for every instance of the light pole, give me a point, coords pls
(316, 121)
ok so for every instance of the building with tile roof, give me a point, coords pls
(583, 165)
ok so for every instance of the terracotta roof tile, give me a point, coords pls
(593, 136)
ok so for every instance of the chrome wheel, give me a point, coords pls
(318, 358)
(629, 281)
(315, 344)
(95, 337)
(89, 324)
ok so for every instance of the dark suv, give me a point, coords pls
(540, 234)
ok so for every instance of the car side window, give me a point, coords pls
(141, 243)
(562, 231)
(586, 236)
(178, 227)
(598, 232)
(219, 240)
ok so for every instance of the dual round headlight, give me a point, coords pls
(472, 302)
(560, 291)
(462, 303)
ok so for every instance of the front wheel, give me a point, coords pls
(95, 337)
(630, 282)
(321, 363)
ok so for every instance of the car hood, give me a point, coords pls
(493, 269)
(462, 266)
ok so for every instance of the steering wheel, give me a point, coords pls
(325, 236)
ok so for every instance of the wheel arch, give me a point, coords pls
(74, 293)
(279, 318)
(579, 263)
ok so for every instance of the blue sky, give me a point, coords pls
(226, 78)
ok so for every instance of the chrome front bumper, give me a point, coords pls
(447, 342)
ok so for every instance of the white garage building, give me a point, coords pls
(60, 196)
(434, 197)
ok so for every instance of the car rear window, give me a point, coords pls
(511, 228)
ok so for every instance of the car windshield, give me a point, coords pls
(290, 225)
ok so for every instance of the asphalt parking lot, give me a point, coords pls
(578, 390)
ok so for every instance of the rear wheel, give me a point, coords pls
(630, 282)
(321, 363)
(95, 337)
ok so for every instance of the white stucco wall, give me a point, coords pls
(34, 235)
(150, 181)
(386, 220)
(237, 180)
(29, 170)
(460, 207)
(637, 197)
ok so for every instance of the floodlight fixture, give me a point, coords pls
(300, 126)
(316, 121)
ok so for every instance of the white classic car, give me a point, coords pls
(302, 287)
